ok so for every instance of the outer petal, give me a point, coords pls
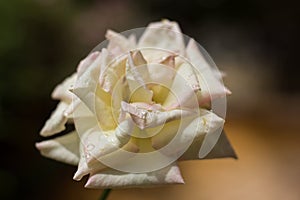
(118, 44)
(164, 35)
(93, 96)
(209, 79)
(117, 179)
(56, 122)
(83, 168)
(86, 62)
(86, 84)
(64, 149)
(191, 129)
(61, 92)
(96, 144)
(206, 125)
(222, 149)
(76, 102)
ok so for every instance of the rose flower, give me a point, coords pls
(138, 107)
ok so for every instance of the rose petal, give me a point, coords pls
(163, 35)
(145, 118)
(209, 79)
(61, 92)
(137, 62)
(132, 39)
(83, 168)
(119, 44)
(115, 158)
(183, 90)
(56, 122)
(64, 148)
(83, 119)
(117, 179)
(112, 71)
(72, 107)
(137, 76)
(205, 125)
(194, 129)
(97, 100)
(86, 84)
(161, 73)
(98, 145)
(86, 62)
(98, 142)
(104, 112)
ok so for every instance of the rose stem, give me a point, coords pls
(105, 194)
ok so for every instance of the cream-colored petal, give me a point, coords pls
(92, 142)
(72, 107)
(183, 90)
(117, 179)
(64, 148)
(189, 129)
(132, 40)
(136, 63)
(206, 126)
(137, 76)
(119, 156)
(93, 96)
(83, 119)
(104, 112)
(86, 84)
(209, 79)
(61, 91)
(163, 35)
(86, 62)
(161, 73)
(119, 44)
(83, 168)
(84, 122)
(98, 142)
(112, 71)
(123, 131)
(97, 145)
(146, 118)
(56, 122)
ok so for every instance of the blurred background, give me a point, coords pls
(255, 42)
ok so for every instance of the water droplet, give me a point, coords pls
(195, 86)
(143, 114)
(90, 147)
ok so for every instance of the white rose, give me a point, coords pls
(134, 97)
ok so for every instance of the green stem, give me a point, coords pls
(105, 194)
